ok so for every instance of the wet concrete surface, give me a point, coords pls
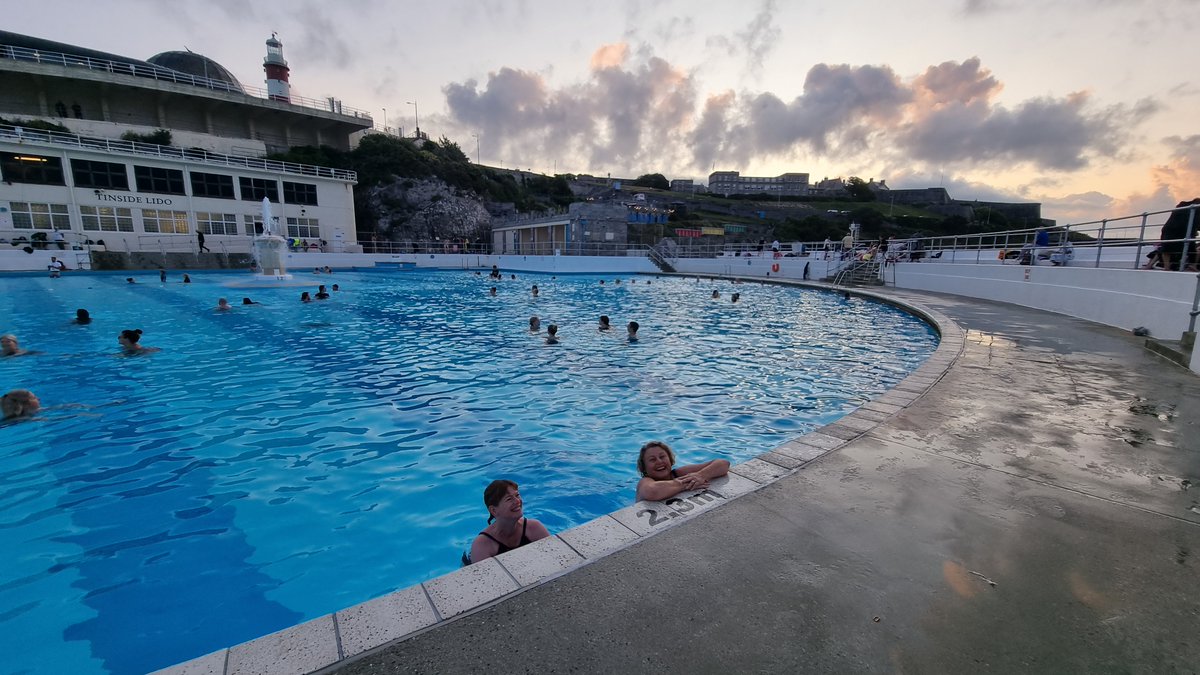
(1036, 511)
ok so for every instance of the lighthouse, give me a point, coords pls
(276, 68)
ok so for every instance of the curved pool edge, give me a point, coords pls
(355, 632)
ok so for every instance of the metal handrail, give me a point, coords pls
(57, 138)
(162, 74)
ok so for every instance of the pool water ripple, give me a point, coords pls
(283, 461)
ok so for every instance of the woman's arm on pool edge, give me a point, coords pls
(651, 490)
(714, 468)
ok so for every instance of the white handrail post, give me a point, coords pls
(1100, 240)
(1183, 260)
(1141, 240)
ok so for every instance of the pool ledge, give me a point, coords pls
(362, 629)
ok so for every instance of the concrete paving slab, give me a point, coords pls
(759, 471)
(376, 622)
(541, 559)
(842, 431)
(821, 440)
(598, 537)
(469, 587)
(859, 423)
(781, 460)
(294, 651)
(873, 415)
(209, 664)
(801, 451)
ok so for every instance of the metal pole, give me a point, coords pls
(1183, 260)
(1100, 240)
(1195, 308)
(1141, 239)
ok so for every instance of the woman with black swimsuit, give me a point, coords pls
(508, 528)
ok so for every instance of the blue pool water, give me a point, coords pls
(282, 461)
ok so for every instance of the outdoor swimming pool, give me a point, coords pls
(282, 461)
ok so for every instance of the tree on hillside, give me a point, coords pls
(859, 190)
(653, 180)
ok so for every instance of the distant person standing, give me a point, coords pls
(1174, 231)
(847, 245)
(1041, 241)
(60, 239)
(200, 240)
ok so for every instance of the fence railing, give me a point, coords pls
(161, 74)
(1112, 242)
(57, 138)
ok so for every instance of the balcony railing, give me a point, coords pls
(55, 138)
(161, 74)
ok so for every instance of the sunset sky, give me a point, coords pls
(1088, 106)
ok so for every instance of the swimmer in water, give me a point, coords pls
(552, 334)
(633, 329)
(604, 325)
(19, 403)
(223, 305)
(130, 341)
(82, 317)
(660, 480)
(508, 528)
(535, 324)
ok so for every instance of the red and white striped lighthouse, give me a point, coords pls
(277, 70)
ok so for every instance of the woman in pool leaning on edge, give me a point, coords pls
(511, 528)
(661, 481)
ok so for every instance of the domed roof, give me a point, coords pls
(197, 65)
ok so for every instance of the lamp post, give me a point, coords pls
(476, 148)
(385, 120)
(416, 117)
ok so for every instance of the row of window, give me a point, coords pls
(46, 170)
(31, 216)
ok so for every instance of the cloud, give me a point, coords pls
(760, 36)
(610, 56)
(637, 113)
(1180, 176)
(320, 40)
(627, 114)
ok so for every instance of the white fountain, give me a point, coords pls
(269, 249)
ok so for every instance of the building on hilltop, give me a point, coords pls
(686, 185)
(76, 152)
(733, 183)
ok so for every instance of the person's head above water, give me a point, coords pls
(552, 329)
(604, 325)
(19, 403)
(653, 456)
(248, 301)
(535, 323)
(535, 290)
(633, 329)
(9, 345)
(128, 339)
(222, 303)
(82, 316)
(503, 500)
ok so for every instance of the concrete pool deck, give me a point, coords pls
(1024, 502)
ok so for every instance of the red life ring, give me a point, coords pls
(775, 267)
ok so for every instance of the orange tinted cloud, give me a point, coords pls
(610, 56)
